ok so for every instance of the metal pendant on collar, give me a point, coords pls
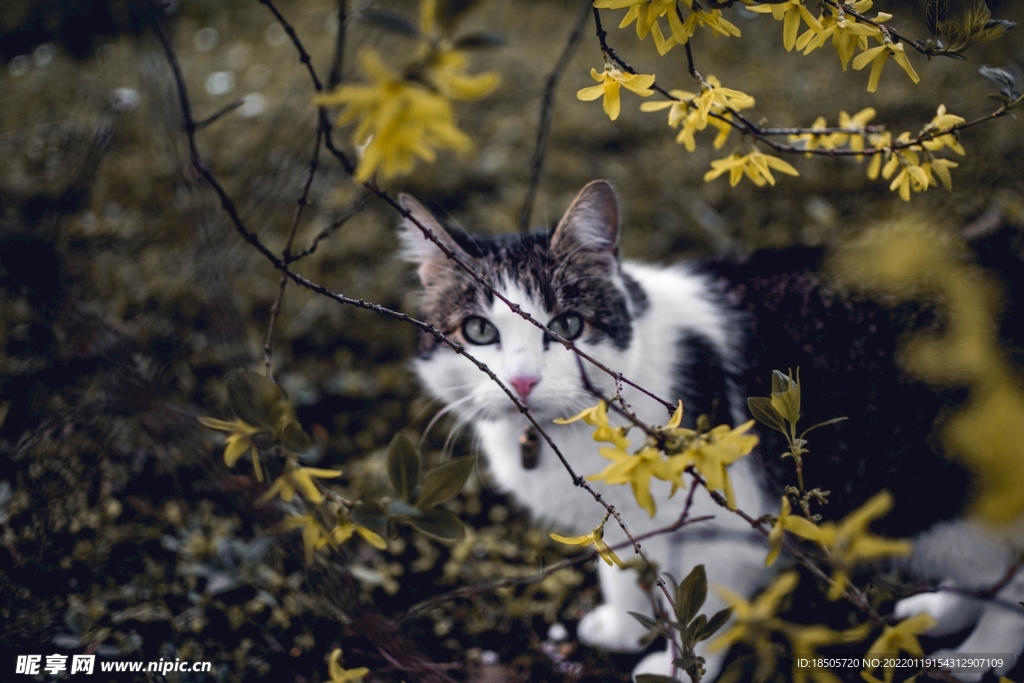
(529, 447)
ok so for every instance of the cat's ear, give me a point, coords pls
(591, 223)
(417, 248)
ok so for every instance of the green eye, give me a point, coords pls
(568, 325)
(479, 330)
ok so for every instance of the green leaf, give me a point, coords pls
(399, 508)
(450, 12)
(935, 12)
(370, 515)
(691, 594)
(390, 22)
(646, 621)
(294, 439)
(763, 410)
(654, 678)
(480, 40)
(694, 629)
(439, 524)
(444, 481)
(826, 423)
(403, 466)
(714, 623)
(786, 394)
(256, 399)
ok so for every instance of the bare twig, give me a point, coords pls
(547, 108)
(345, 217)
(334, 75)
(286, 254)
(203, 123)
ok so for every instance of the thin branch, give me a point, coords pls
(349, 213)
(547, 108)
(334, 75)
(203, 123)
(286, 254)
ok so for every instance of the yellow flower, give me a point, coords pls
(611, 79)
(239, 441)
(597, 538)
(942, 122)
(645, 13)
(846, 34)
(940, 168)
(447, 73)
(879, 141)
(815, 140)
(753, 622)
(339, 675)
(636, 469)
(682, 31)
(805, 640)
(900, 638)
(877, 57)
(786, 522)
(756, 165)
(718, 448)
(789, 13)
(314, 536)
(849, 541)
(345, 529)
(854, 123)
(597, 416)
(299, 479)
(397, 120)
(693, 110)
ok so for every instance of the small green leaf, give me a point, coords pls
(450, 12)
(403, 466)
(439, 524)
(763, 410)
(479, 40)
(714, 623)
(294, 439)
(646, 621)
(935, 12)
(256, 400)
(399, 508)
(786, 394)
(444, 481)
(691, 594)
(390, 22)
(370, 515)
(693, 631)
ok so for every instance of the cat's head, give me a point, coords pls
(568, 278)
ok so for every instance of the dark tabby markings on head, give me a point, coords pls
(579, 281)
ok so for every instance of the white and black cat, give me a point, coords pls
(709, 334)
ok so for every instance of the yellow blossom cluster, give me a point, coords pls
(852, 133)
(756, 165)
(709, 453)
(846, 32)
(646, 15)
(917, 165)
(611, 80)
(712, 105)
(402, 117)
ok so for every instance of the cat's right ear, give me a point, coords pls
(418, 248)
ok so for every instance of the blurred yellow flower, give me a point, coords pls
(635, 469)
(753, 622)
(346, 527)
(339, 675)
(597, 538)
(849, 542)
(397, 120)
(943, 122)
(298, 480)
(238, 442)
(611, 79)
(806, 640)
(597, 416)
(787, 522)
(899, 638)
(314, 536)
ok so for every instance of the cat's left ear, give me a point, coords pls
(417, 248)
(591, 224)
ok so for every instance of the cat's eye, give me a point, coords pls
(479, 330)
(568, 325)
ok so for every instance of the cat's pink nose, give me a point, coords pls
(524, 385)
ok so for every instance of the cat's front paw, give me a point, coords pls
(608, 628)
(952, 612)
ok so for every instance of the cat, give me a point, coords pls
(708, 333)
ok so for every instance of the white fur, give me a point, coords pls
(678, 301)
